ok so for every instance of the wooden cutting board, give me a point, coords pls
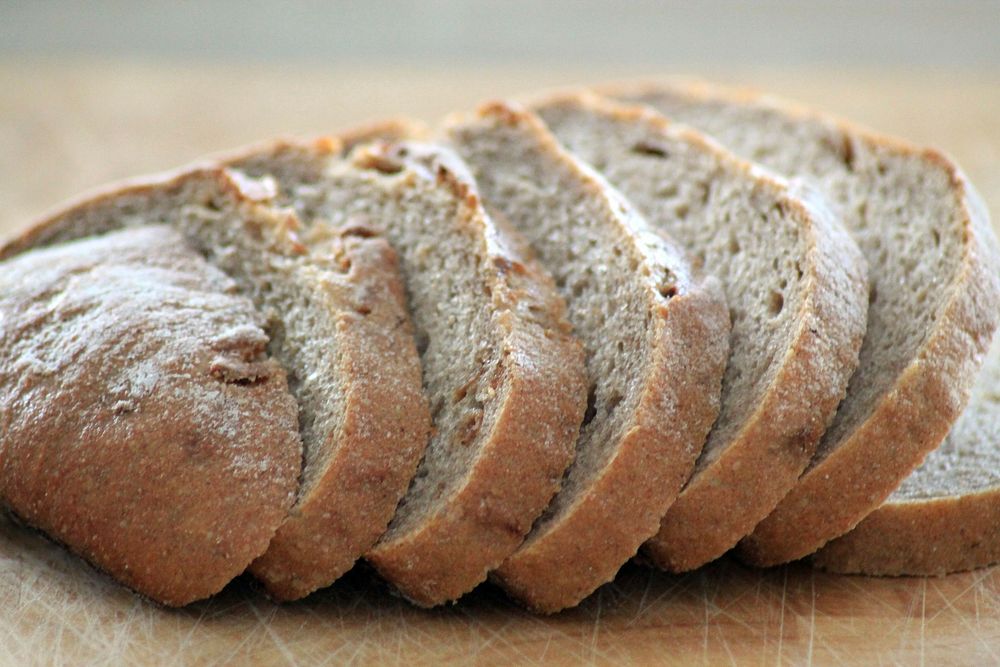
(66, 127)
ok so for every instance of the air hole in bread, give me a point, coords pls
(538, 312)
(469, 427)
(651, 148)
(847, 153)
(380, 162)
(734, 246)
(613, 401)
(667, 190)
(705, 191)
(775, 303)
(862, 215)
(359, 229)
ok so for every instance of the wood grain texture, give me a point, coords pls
(66, 127)
(58, 610)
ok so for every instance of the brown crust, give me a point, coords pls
(652, 463)
(43, 230)
(911, 420)
(777, 443)
(906, 424)
(525, 451)
(913, 417)
(153, 493)
(925, 538)
(377, 446)
(385, 425)
(759, 466)
(370, 470)
(654, 457)
(309, 155)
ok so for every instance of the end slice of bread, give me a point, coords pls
(144, 425)
(944, 517)
(656, 341)
(503, 374)
(934, 298)
(333, 307)
(796, 288)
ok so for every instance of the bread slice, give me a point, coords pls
(656, 341)
(796, 288)
(944, 517)
(143, 424)
(933, 269)
(335, 313)
(504, 376)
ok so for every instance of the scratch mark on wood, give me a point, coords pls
(781, 625)
(923, 620)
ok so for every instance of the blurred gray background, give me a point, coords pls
(642, 33)
(93, 91)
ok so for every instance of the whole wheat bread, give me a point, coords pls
(796, 288)
(334, 310)
(656, 341)
(144, 425)
(504, 376)
(933, 308)
(944, 517)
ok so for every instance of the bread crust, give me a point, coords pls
(377, 446)
(920, 538)
(915, 415)
(166, 450)
(908, 422)
(679, 399)
(653, 461)
(523, 454)
(945, 517)
(766, 459)
(385, 424)
(727, 499)
(539, 376)
(384, 428)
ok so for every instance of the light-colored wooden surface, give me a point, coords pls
(67, 127)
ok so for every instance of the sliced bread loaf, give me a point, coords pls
(334, 309)
(656, 341)
(796, 288)
(933, 306)
(504, 376)
(944, 517)
(143, 424)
